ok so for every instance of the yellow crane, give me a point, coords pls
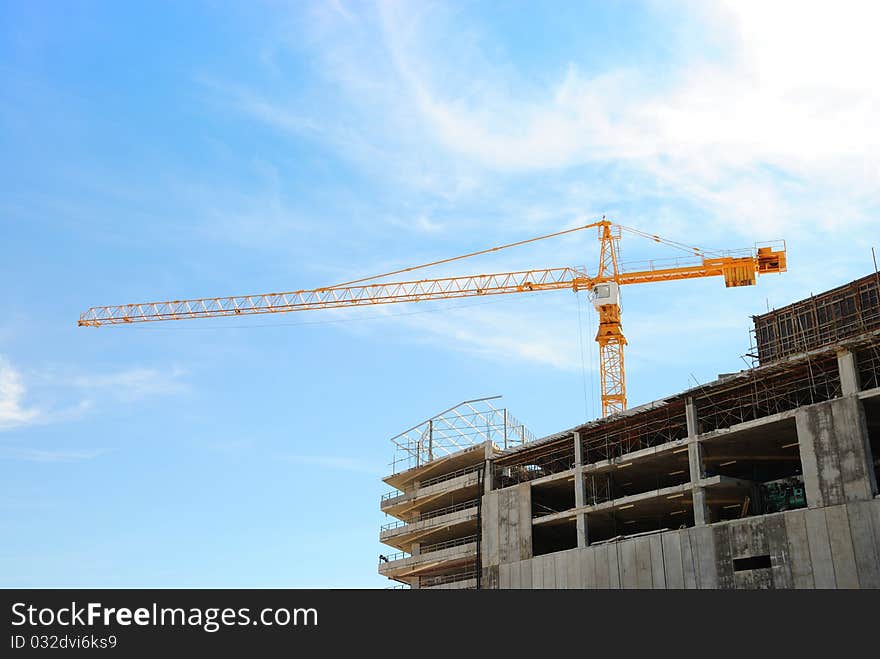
(738, 268)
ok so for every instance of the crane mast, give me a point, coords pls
(606, 299)
(737, 269)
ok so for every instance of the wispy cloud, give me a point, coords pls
(135, 383)
(775, 100)
(339, 7)
(57, 395)
(773, 127)
(50, 455)
(332, 462)
(13, 410)
(506, 335)
(421, 223)
(764, 135)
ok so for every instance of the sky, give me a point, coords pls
(164, 150)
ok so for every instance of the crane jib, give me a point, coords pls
(739, 268)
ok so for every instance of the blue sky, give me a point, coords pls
(167, 150)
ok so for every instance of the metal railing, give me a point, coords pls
(430, 515)
(393, 494)
(393, 557)
(437, 546)
(451, 475)
(393, 525)
(447, 578)
(464, 505)
(427, 549)
(652, 265)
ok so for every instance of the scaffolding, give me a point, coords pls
(603, 439)
(818, 321)
(535, 462)
(651, 425)
(745, 396)
(759, 393)
(868, 365)
(463, 426)
(603, 486)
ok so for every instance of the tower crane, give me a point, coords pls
(738, 268)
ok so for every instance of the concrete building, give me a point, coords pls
(766, 478)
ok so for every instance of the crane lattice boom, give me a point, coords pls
(737, 268)
(336, 298)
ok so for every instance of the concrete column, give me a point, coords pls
(488, 471)
(583, 538)
(690, 412)
(695, 458)
(701, 510)
(695, 461)
(430, 439)
(836, 456)
(849, 374)
(695, 464)
(488, 477)
(583, 530)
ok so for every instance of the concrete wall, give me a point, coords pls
(507, 525)
(834, 543)
(832, 547)
(835, 452)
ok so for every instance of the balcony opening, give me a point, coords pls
(552, 497)
(760, 471)
(550, 538)
(872, 416)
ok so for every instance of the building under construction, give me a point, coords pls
(764, 478)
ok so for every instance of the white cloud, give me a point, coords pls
(793, 89)
(425, 224)
(774, 134)
(50, 455)
(339, 7)
(420, 223)
(539, 328)
(13, 412)
(716, 134)
(794, 94)
(64, 396)
(781, 132)
(501, 336)
(332, 462)
(134, 384)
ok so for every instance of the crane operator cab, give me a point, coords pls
(604, 294)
